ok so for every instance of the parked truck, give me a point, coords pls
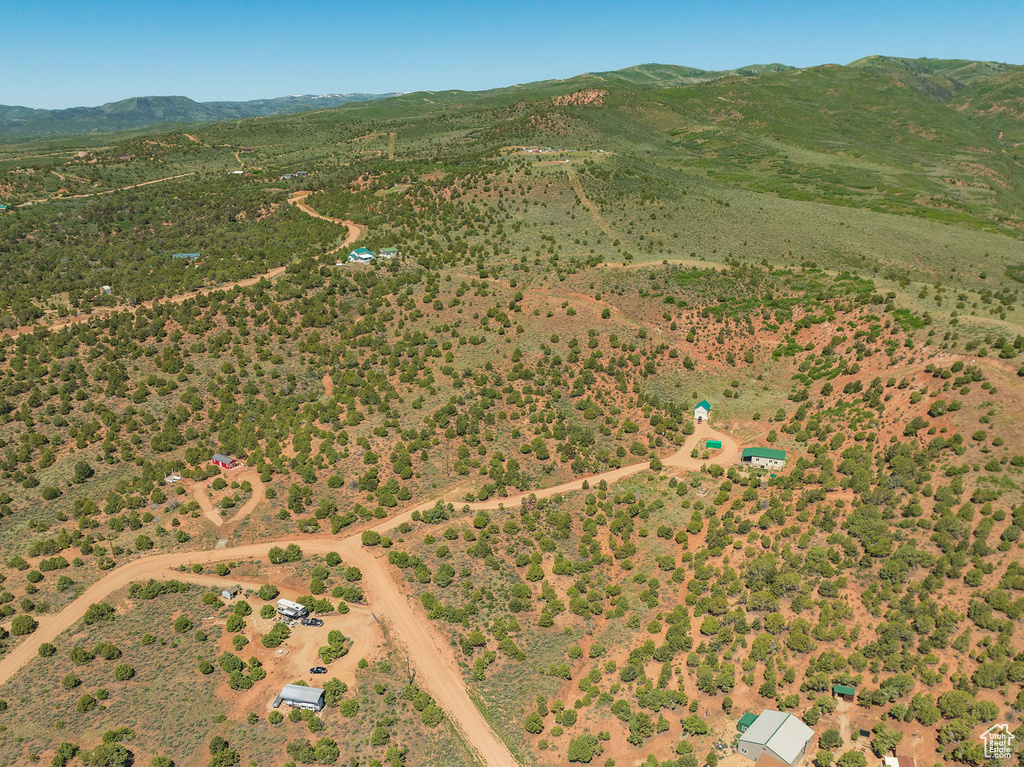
(290, 609)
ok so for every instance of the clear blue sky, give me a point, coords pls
(61, 53)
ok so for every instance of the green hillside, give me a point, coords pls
(840, 166)
(667, 75)
(475, 457)
(146, 111)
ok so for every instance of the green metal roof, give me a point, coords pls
(745, 721)
(362, 252)
(704, 404)
(843, 689)
(389, 250)
(714, 443)
(764, 452)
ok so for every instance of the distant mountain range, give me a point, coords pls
(941, 79)
(144, 111)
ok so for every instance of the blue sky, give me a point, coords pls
(61, 53)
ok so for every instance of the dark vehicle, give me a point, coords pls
(312, 622)
(318, 670)
(700, 419)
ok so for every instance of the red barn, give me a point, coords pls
(224, 461)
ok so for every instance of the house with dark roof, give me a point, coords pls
(777, 736)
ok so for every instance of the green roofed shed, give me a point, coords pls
(844, 691)
(714, 444)
(745, 721)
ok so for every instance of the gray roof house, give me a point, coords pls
(778, 735)
(297, 696)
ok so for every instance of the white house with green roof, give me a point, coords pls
(702, 410)
(763, 457)
(361, 256)
(778, 735)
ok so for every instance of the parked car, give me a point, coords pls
(318, 670)
(700, 419)
(312, 622)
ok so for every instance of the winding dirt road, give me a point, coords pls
(355, 231)
(437, 668)
(225, 525)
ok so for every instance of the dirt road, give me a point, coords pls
(680, 459)
(598, 218)
(355, 231)
(225, 525)
(437, 668)
(102, 311)
(123, 188)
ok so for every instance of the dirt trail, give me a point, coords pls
(102, 311)
(107, 191)
(598, 218)
(437, 669)
(192, 138)
(123, 188)
(225, 525)
(680, 459)
(355, 231)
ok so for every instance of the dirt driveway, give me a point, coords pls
(437, 669)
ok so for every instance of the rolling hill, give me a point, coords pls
(146, 111)
(483, 447)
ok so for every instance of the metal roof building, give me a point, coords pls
(745, 721)
(844, 691)
(763, 456)
(298, 696)
(224, 461)
(361, 256)
(779, 735)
